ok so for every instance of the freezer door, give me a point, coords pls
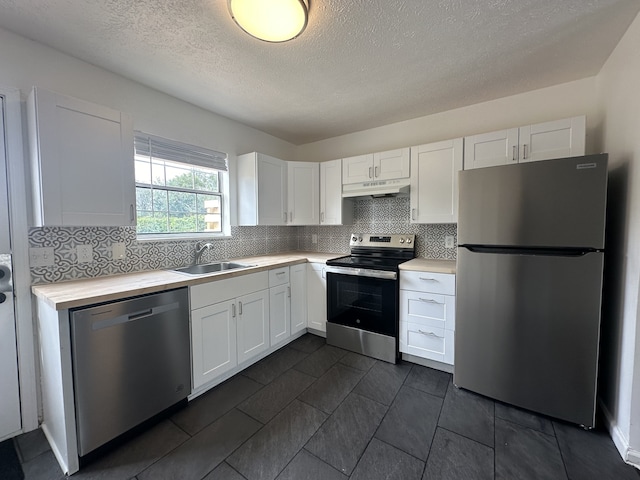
(527, 330)
(552, 203)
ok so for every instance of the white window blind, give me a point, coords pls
(155, 147)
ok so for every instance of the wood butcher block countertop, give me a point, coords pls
(426, 265)
(80, 293)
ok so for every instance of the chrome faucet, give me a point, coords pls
(200, 249)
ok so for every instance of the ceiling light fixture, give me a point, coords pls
(270, 20)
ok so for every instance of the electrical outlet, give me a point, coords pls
(448, 241)
(118, 251)
(84, 253)
(41, 257)
(314, 238)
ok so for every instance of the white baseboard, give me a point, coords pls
(628, 454)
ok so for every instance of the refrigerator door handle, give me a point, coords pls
(558, 252)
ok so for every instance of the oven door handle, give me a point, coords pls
(363, 272)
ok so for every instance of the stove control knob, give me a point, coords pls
(402, 240)
(354, 239)
(408, 240)
(359, 239)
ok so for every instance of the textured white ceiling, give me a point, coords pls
(359, 64)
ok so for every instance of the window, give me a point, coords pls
(179, 187)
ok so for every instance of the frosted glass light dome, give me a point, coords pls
(270, 20)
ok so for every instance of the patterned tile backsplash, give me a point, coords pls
(378, 215)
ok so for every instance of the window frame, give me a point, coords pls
(222, 193)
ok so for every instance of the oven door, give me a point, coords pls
(362, 299)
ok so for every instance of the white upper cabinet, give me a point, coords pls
(434, 181)
(542, 141)
(303, 193)
(387, 165)
(391, 164)
(491, 149)
(357, 169)
(558, 139)
(334, 210)
(262, 190)
(82, 164)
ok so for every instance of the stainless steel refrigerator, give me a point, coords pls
(529, 284)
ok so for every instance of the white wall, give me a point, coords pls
(551, 103)
(619, 89)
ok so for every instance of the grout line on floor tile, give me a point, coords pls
(564, 464)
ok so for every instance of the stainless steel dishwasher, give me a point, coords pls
(131, 361)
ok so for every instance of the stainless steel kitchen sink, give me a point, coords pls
(205, 268)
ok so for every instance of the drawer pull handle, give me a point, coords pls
(429, 334)
(280, 273)
(428, 300)
(428, 279)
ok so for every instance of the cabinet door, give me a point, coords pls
(392, 164)
(82, 160)
(213, 341)
(334, 210)
(253, 325)
(491, 149)
(303, 193)
(298, 297)
(357, 169)
(272, 190)
(317, 296)
(557, 139)
(434, 181)
(279, 313)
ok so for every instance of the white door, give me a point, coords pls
(279, 313)
(557, 139)
(331, 192)
(357, 169)
(298, 297)
(213, 340)
(10, 421)
(434, 181)
(317, 296)
(303, 193)
(272, 190)
(491, 149)
(253, 325)
(391, 164)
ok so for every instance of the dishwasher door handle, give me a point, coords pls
(132, 317)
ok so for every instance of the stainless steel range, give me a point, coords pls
(363, 295)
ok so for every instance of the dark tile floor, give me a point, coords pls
(312, 411)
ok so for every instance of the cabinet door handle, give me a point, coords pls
(132, 213)
(281, 273)
(285, 217)
(239, 308)
(322, 216)
(289, 292)
(429, 334)
(428, 279)
(233, 310)
(375, 172)
(428, 300)
(515, 153)
(524, 151)
(324, 272)
(413, 214)
(370, 172)
(291, 216)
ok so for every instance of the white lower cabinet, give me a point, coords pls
(317, 296)
(298, 281)
(213, 341)
(427, 315)
(280, 313)
(253, 325)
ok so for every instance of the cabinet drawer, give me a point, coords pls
(428, 309)
(278, 276)
(443, 283)
(427, 342)
(220, 290)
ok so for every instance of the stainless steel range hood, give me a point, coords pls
(382, 188)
